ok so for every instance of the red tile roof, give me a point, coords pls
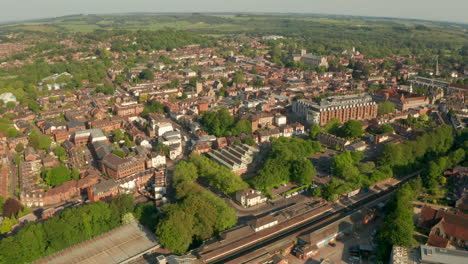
(456, 225)
(427, 213)
(437, 241)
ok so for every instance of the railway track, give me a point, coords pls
(237, 249)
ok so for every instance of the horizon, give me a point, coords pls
(451, 11)
(34, 19)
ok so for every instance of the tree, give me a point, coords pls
(60, 151)
(218, 176)
(302, 171)
(39, 141)
(185, 171)
(345, 165)
(2, 202)
(11, 208)
(7, 224)
(197, 215)
(249, 141)
(10, 104)
(332, 126)
(175, 230)
(238, 77)
(285, 162)
(148, 215)
(160, 147)
(367, 167)
(117, 135)
(314, 131)
(146, 74)
(153, 107)
(128, 142)
(12, 132)
(242, 127)
(107, 88)
(385, 108)
(57, 175)
(34, 106)
(218, 123)
(398, 225)
(75, 174)
(72, 226)
(19, 147)
(351, 129)
(387, 128)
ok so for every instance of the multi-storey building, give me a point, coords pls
(103, 190)
(314, 61)
(93, 135)
(117, 167)
(342, 107)
(127, 110)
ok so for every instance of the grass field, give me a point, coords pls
(216, 23)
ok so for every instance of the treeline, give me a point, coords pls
(398, 227)
(23, 86)
(70, 227)
(403, 157)
(156, 40)
(433, 176)
(196, 216)
(354, 174)
(395, 159)
(287, 161)
(216, 175)
(351, 129)
(221, 123)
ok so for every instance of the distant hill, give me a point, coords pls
(218, 23)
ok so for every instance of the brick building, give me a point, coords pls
(117, 167)
(61, 193)
(127, 110)
(82, 137)
(103, 190)
(342, 107)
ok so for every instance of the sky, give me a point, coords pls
(442, 10)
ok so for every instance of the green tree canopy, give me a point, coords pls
(146, 74)
(60, 151)
(185, 171)
(385, 108)
(351, 129)
(302, 171)
(314, 131)
(285, 162)
(57, 175)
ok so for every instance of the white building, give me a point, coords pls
(7, 97)
(261, 223)
(158, 160)
(160, 125)
(162, 128)
(280, 120)
(250, 197)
